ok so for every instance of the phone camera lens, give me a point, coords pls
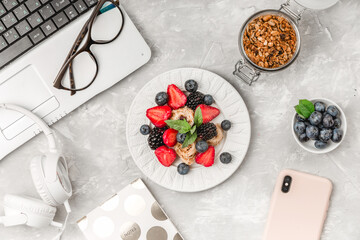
(286, 184)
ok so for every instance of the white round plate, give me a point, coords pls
(236, 141)
(309, 145)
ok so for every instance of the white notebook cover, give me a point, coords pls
(131, 214)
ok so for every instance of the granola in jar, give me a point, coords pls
(270, 41)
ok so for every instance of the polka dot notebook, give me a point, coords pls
(131, 214)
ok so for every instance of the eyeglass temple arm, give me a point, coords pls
(74, 48)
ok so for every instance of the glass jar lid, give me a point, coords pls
(316, 4)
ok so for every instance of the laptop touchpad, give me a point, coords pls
(26, 89)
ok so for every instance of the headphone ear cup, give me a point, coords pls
(37, 212)
(39, 180)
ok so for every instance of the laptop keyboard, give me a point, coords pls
(26, 23)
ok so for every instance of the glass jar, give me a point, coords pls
(248, 71)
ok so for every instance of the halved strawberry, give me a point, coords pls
(169, 137)
(208, 112)
(206, 158)
(165, 155)
(177, 98)
(158, 115)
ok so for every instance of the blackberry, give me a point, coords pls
(155, 138)
(194, 100)
(207, 131)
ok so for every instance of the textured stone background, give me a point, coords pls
(203, 33)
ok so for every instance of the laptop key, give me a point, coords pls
(47, 11)
(2, 10)
(23, 27)
(9, 20)
(90, 3)
(32, 5)
(71, 12)
(48, 27)
(35, 20)
(21, 12)
(11, 35)
(36, 35)
(59, 4)
(60, 20)
(2, 27)
(15, 50)
(44, 1)
(3, 43)
(9, 4)
(80, 6)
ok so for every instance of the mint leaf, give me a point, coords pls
(193, 129)
(190, 138)
(181, 125)
(305, 108)
(307, 104)
(198, 119)
(297, 109)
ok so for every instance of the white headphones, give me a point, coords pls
(50, 176)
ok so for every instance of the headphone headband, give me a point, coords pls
(45, 128)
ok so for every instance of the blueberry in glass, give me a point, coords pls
(303, 137)
(299, 127)
(325, 134)
(328, 121)
(332, 110)
(337, 135)
(337, 123)
(319, 106)
(312, 132)
(315, 118)
(320, 145)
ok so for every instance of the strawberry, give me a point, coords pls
(169, 137)
(165, 155)
(206, 158)
(177, 98)
(158, 115)
(208, 112)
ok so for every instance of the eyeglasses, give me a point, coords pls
(81, 63)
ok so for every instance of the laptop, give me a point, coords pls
(33, 51)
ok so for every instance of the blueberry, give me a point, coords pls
(337, 135)
(183, 168)
(328, 121)
(325, 135)
(315, 118)
(201, 146)
(303, 138)
(332, 110)
(300, 119)
(320, 107)
(320, 126)
(299, 127)
(145, 129)
(191, 85)
(208, 99)
(180, 137)
(312, 132)
(225, 157)
(307, 123)
(337, 123)
(226, 125)
(320, 144)
(161, 98)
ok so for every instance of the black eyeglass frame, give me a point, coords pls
(74, 51)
